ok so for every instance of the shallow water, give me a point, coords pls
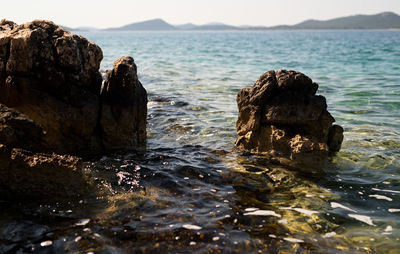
(189, 191)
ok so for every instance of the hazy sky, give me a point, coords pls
(114, 13)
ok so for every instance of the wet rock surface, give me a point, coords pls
(46, 176)
(124, 106)
(51, 103)
(282, 117)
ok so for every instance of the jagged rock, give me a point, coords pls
(124, 106)
(50, 104)
(280, 116)
(52, 76)
(25, 174)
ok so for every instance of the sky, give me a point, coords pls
(115, 13)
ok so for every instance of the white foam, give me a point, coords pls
(284, 221)
(330, 234)
(388, 229)
(251, 209)
(381, 197)
(362, 218)
(391, 191)
(262, 213)
(307, 212)
(337, 205)
(82, 222)
(46, 243)
(293, 240)
(191, 227)
(300, 210)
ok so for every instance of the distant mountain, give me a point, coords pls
(85, 28)
(154, 24)
(385, 20)
(187, 26)
(215, 26)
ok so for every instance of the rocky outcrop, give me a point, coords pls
(52, 76)
(124, 107)
(281, 116)
(28, 173)
(51, 103)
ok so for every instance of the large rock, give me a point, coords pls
(50, 104)
(52, 76)
(280, 116)
(124, 107)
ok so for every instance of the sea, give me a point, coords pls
(189, 191)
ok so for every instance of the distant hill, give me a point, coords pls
(187, 26)
(215, 26)
(385, 20)
(154, 24)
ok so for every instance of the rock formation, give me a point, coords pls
(124, 107)
(53, 77)
(27, 173)
(280, 116)
(51, 102)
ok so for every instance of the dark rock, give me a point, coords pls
(50, 104)
(52, 76)
(335, 138)
(124, 107)
(280, 116)
(25, 174)
(17, 130)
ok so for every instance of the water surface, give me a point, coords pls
(189, 191)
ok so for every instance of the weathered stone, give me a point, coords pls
(25, 174)
(50, 102)
(17, 130)
(335, 138)
(280, 116)
(52, 76)
(124, 107)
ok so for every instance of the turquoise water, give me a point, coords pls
(189, 191)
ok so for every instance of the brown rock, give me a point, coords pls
(25, 174)
(52, 76)
(280, 116)
(124, 107)
(17, 130)
(50, 103)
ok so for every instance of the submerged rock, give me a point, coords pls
(282, 117)
(124, 106)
